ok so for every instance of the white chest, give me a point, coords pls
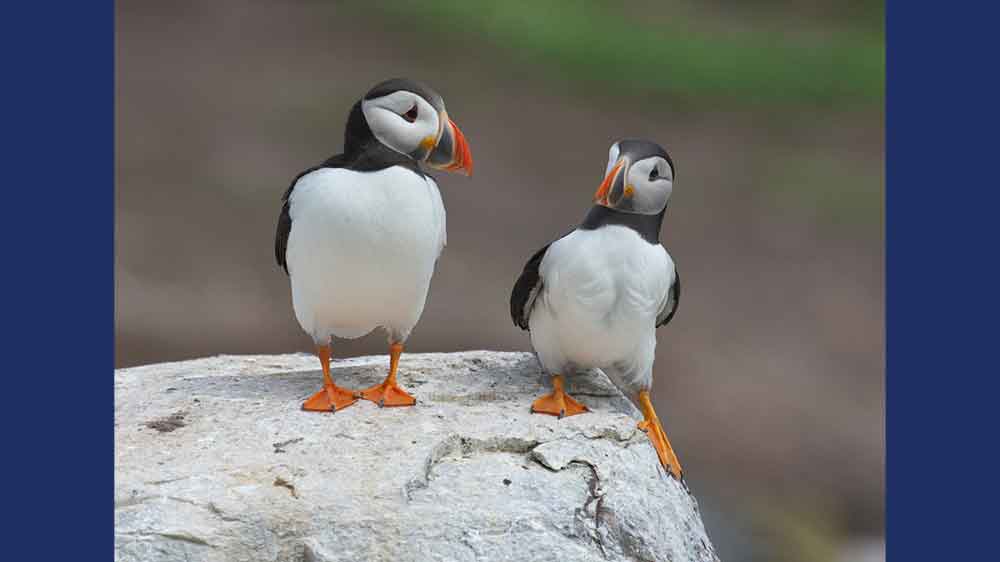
(392, 210)
(362, 248)
(607, 271)
(601, 292)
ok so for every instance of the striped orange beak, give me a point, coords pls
(451, 153)
(601, 196)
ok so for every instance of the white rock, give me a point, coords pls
(214, 461)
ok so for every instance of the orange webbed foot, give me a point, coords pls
(388, 394)
(558, 403)
(330, 399)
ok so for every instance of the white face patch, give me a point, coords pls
(651, 180)
(389, 117)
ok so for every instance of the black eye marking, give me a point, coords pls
(654, 174)
(411, 115)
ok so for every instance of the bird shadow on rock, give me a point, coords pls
(467, 381)
(294, 385)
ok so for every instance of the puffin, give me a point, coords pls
(595, 297)
(359, 235)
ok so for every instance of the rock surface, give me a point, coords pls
(214, 461)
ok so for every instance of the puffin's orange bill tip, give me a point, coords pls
(462, 156)
(602, 192)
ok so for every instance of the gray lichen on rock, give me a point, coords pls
(467, 474)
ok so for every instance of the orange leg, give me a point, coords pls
(332, 397)
(558, 403)
(389, 393)
(651, 426)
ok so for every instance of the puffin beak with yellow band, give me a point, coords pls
(451, 150)
(616, 177)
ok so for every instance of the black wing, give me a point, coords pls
(526, 289)
(285, 219)
(284, 227)
(673, 298)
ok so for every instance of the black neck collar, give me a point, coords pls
(364, 153)
(647, 226)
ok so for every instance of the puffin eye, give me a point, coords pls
(411, 115)
(655, 173)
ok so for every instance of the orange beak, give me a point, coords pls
(462, 160)
(451, 153)
(602, 192)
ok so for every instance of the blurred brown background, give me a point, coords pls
(770, 379)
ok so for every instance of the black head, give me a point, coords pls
(410, 119)
(394, 85)
(639, 178)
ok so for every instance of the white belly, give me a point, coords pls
(362, 249)
(601, 292)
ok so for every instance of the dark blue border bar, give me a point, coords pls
(58, 180)
(943, 287)
(942, 249)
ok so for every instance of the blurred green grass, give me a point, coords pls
(768, 56)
